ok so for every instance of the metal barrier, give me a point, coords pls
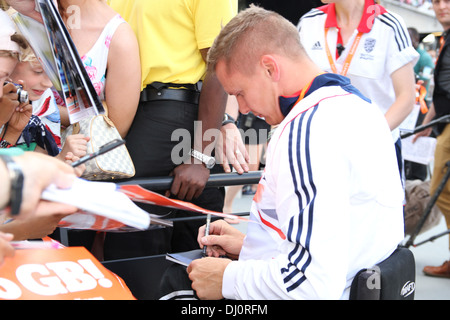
(143, 274)
(215, 180)
(164, 183)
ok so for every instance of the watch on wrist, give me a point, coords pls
(208, 161)
(228, 119)
(16, 178)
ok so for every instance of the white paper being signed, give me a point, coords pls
(100, 198)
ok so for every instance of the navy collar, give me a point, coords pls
(323, 80)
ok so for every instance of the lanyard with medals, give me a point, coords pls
(350, 55)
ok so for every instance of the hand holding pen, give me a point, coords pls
(223, 240)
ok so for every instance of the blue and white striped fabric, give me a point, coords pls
(329, 202)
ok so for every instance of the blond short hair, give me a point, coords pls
(28, 55)
(251, 34)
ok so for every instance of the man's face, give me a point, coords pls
(254, 92)
(442, 11)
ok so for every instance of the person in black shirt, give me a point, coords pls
(439, 108)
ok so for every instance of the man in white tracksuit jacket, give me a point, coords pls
(330, 200)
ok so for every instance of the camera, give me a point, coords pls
(22, 95)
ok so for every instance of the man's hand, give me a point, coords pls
(189, 181)
(428, 118)
(230, 149)
(423, 133)
(206, 275)
(223, 240)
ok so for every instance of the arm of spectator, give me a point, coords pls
(39, 172)
(230, 148)
(18, 121)
(75, 144)
(123, 80)
(8, 103)
(428, 117)
(43, 223)
(190, 179)
(404, 86)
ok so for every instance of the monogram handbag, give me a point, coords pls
(115, 164)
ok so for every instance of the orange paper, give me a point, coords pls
(139, 194)
(59, 274)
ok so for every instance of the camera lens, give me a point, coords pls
(22, 95)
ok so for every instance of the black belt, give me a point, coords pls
(158, 91)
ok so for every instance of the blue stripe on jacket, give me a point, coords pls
(305, 191)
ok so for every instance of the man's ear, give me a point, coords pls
(271, 67)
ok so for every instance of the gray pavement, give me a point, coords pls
(431, 253)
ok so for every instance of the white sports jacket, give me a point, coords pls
(329, 202)
(385, 46)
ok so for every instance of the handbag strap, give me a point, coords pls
(105, 106)
(76, 128)
(105, 116)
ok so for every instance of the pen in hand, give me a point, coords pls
(102, 150)
(208, 222)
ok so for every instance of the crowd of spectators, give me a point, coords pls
(420, 4)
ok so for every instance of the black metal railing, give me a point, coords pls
(215, 180)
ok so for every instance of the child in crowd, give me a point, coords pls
(24, 123)
(13, 115)
(43, 132)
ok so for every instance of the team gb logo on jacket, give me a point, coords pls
(369, 44)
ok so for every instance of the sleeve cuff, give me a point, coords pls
(229, 279)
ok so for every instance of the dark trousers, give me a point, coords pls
(176, 285)
(150, 145)
(149, 140)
